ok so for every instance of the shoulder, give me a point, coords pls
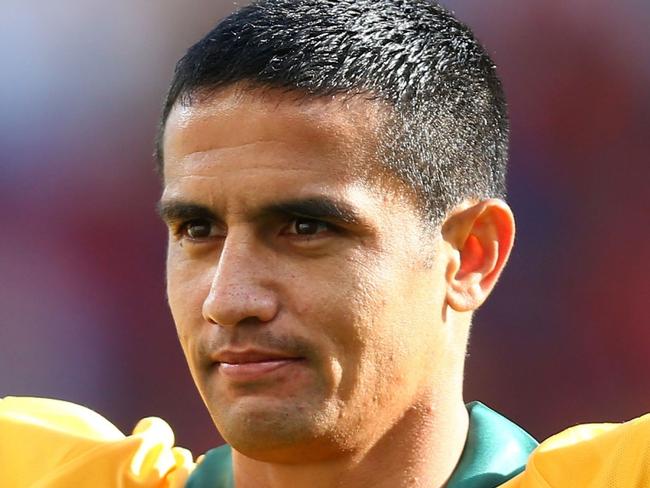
(56, 443)
(26, 413)
(594, 455)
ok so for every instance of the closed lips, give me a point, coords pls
(251, 356)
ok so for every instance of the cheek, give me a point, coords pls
(348, 305)
(394, 330)
(187, 287)
(415, 340)
(325, 300)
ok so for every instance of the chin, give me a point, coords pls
(275, 430)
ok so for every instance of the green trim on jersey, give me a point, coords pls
(215, 471)
(495, 451)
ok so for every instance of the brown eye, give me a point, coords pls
(199, 229)
(308, 227)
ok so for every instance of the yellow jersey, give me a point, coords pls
(55, 444)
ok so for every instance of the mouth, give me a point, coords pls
(251, 365)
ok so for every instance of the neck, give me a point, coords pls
(420, 450)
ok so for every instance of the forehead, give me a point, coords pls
(276, 127)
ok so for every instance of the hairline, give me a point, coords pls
(199, 94)
(376, 172)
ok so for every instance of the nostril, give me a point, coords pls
(209, 319)
(234, 306)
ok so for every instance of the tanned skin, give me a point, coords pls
(325, 322)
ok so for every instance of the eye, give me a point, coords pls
(308, 227)
(198, 229)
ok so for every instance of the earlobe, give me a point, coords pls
(480, 237)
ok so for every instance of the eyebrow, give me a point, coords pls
(318, 208)
(313, 207)
(176, 210)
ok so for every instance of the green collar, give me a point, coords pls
(495, 451)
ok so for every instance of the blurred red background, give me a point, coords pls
(565, 338)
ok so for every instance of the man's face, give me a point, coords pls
(308, 300)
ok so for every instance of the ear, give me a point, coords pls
(479, 237)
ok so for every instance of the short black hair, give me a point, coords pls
(446, 136)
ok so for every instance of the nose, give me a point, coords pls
(240, 290)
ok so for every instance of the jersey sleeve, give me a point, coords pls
(593, 455)
(54, 444)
